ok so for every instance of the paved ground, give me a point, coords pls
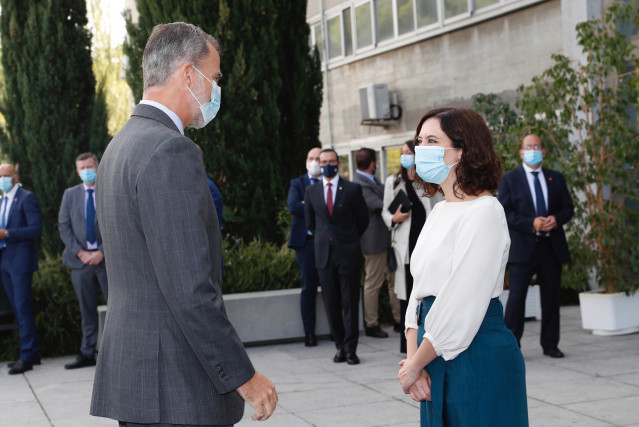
(597, 384)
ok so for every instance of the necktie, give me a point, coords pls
(90, 218)
(3, 222)
(539, 196)
(329, 199)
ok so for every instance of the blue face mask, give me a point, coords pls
(329, 171)
(6, 183)
(533, 157)
(209, 109)
(407, 160)
(429, 164)
(88, 175)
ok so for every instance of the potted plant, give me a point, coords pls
(586, 109)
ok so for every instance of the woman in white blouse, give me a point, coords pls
(462, 363)
(405, 224)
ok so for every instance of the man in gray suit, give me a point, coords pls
(375, 242)
(169, 354)
(83, 253)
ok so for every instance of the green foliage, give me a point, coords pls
(258, 266)
(584, 113)
(49, 98)
(56, 311)
(260, 138)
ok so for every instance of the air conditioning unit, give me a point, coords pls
(374, 102)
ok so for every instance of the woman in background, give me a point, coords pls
(405, 226)
(462, 362)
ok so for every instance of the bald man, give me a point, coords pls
(301, 240)
(537, 205)
(20, 226)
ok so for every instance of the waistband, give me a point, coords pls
(495, 308)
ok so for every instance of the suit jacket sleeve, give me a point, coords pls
(295, 198)
(374, 203)
(65, 227)
(361, 210)
(33, 216)
(309, 213)
(176, 212)
(516, 219)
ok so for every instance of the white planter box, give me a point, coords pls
(533, 302)
(609, 314)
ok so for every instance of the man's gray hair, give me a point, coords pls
(170, 46)
(85, 156)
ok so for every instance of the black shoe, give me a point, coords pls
(553, 352)
(34, 361)
(80, 362)
(310, 340)
(340, 356)
(376, 332)
(352, 359)
(20, 367)
(397, 327)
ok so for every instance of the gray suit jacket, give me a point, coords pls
(377, 237)
(72, 226)
(168, 353)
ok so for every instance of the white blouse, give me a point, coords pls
(460, 258)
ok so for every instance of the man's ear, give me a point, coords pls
(186, 73)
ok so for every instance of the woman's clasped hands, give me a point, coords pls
(414, 381)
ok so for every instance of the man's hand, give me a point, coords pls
(90, 257)
(3, 233)
(538, 223)
(550, 223)
(259, 392)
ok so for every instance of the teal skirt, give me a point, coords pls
(485, 385)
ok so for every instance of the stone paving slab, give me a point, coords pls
(596, 385)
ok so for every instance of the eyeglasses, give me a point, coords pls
(329, 162)
(532, 147)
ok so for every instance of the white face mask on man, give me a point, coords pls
(313, 167)
(209, 109)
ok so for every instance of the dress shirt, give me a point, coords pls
(11, 194)
(366, 175)
(168, 112)
(531, 184)
(94, 245)
(460, 258)
(334, 182)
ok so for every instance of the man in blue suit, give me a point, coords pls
(537, 205)
(20, 226)
(301, 240)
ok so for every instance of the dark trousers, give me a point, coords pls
(548, 269)
(123, 424)
(403, 306)
(18, 289)
(340, 290)
(310, 281)
(85, 284)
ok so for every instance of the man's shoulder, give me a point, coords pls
(519, 169)
(551, 172)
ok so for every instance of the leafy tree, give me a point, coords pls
(50, 98)
(264, 128)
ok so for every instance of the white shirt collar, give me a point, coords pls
(333, 182)
(165, 109)
(528, 169)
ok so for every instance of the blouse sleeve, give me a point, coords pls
(481, 248)
(387, 216)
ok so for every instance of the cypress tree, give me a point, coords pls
(50, 96)
(248, 150)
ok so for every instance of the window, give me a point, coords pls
(344, 169)
(319, 42)
(455, 7)
(392, 161)
(348, 32)
(364, 25)
(426, 12)
(483, 3)
(405, 17)
(384, 13)
(334, 37)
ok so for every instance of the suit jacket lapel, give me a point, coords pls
(14, 206)
(550, 185)
(79, 200)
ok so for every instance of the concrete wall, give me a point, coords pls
(493, 56)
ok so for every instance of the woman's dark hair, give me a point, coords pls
(479, 168)
(402, 170)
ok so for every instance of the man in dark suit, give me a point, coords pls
(375, 242)
(83, 253)
(336, 214)
(20, 226)
(169, 354)
(537, 205)
(301, 239)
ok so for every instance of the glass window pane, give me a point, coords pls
(363, 25)
(319, 42)
(483, 3)
(426, 12)
(405, 19)
(344, 170)
(334, 37)
(384, 20)
(455, 7)
(392, 161)
(348, 34)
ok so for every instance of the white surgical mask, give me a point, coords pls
(313, 167)
(209, 109)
